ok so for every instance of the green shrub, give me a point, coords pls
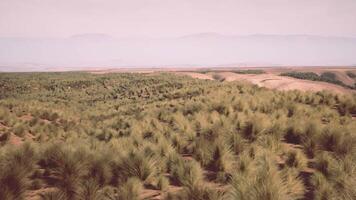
(351, 74)
(325, 76)
(302, 75)
(218, 77)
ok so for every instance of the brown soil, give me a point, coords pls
(15, 140)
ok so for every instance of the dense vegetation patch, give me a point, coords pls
(325, 77)
(133, 136)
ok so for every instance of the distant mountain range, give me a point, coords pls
(204, 49)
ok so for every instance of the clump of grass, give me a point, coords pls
(337, 139)
(322, 188)
(270, 142)
(138, 165)
(296, 159)
(325, 163)
(203, 151)
(264, 181)
(162, 183)
(130, 190)
(16, 167)
(218, 77)
(53, 195)
(237, 143)
(335, 177)
(4, 137)
(197, 192)
(256, 125)
(19, 129)
(65, 168)
(178, 122)
(188, 173)
(311, 139)
(99, 168)
(222, 162)
(295, 133)
(90, 190)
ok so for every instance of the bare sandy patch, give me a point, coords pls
(273, 81)
(340, 72)
(196, 75)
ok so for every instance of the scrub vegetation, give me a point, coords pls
(81, 136)
(351, 74)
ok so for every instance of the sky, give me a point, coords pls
(52, 34)
(171, 18)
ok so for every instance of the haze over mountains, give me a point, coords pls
(204, 49)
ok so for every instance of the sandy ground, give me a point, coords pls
(273, 81)
(196, 75)
(340, 72)
(270, 79)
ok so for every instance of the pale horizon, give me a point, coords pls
(162, 18)
(116, 33)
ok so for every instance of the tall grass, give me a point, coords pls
(337, 139)
(197, 192)
(65, 168)
(112, 136)
(16, 167)
(136, 164)
(262, 180)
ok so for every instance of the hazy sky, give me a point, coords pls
(166, 18)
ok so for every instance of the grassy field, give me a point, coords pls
(81, 136)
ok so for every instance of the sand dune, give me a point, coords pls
(273, 81)
(196, 75)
